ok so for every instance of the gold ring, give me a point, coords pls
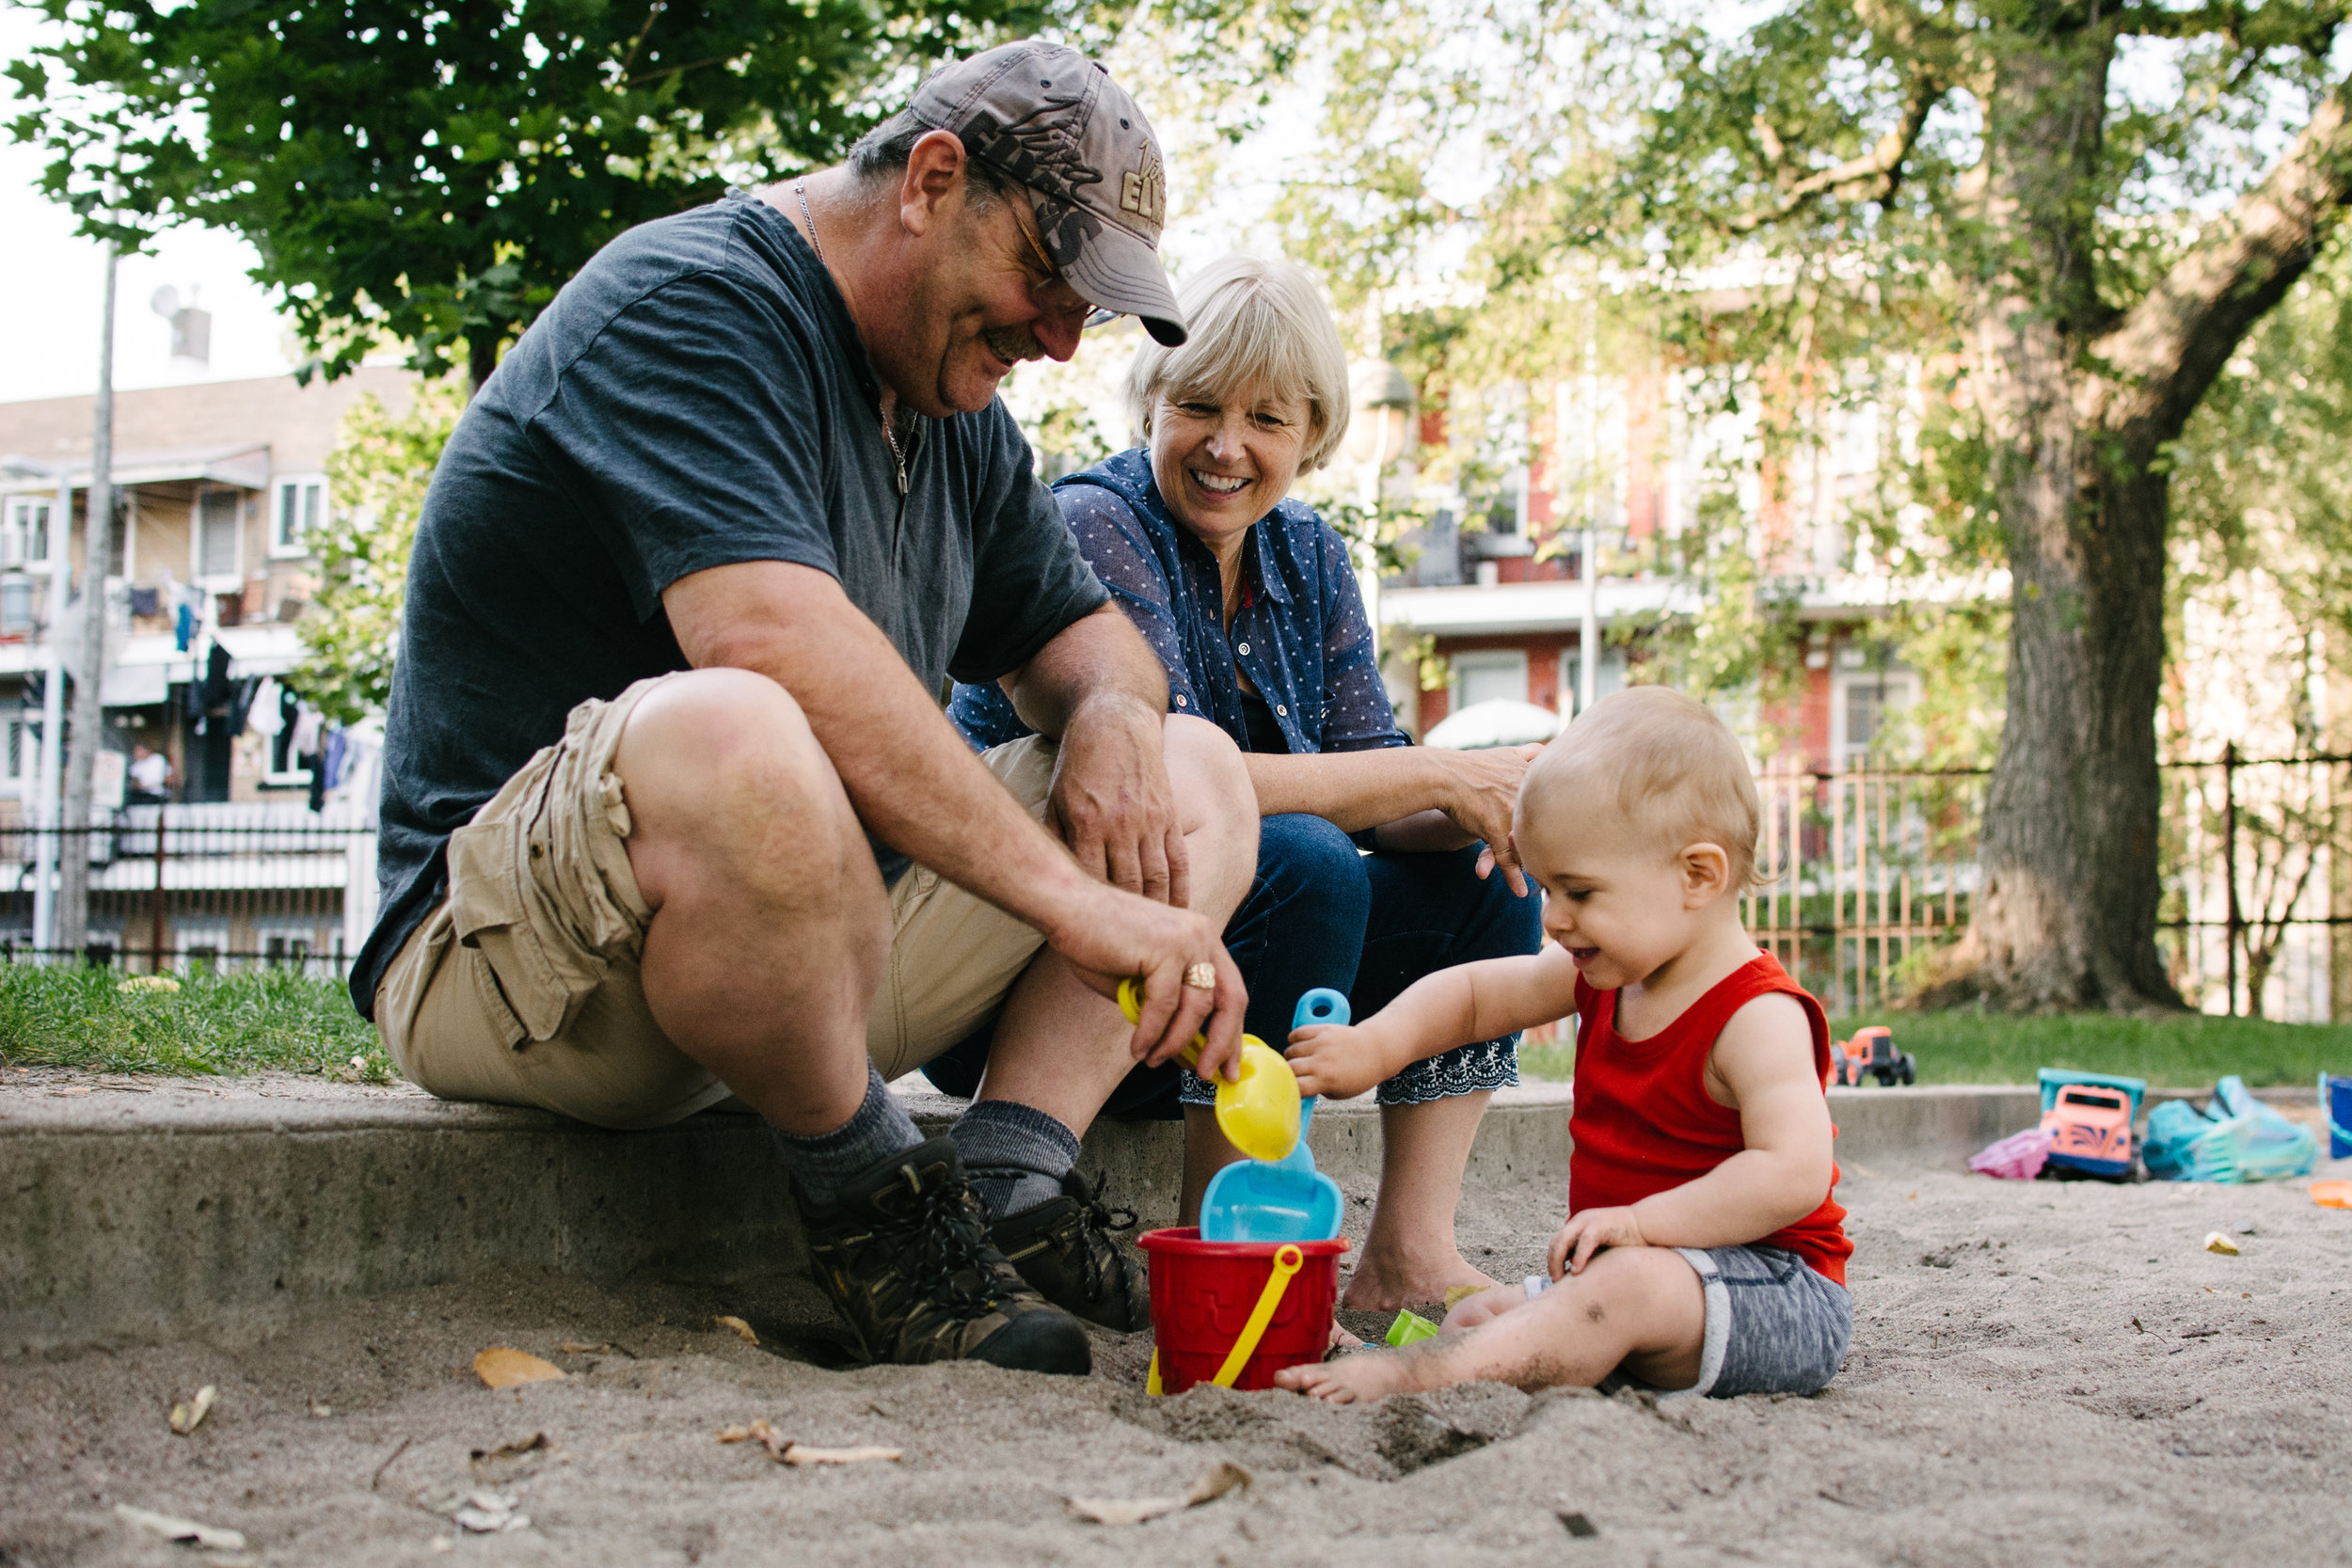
(1201, 976)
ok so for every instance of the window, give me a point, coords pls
(22, 742)
(219, 524)
(1481, 677)
(17, 592)
(1609, 678)
(296, 513)
(1863, 703)
(24, 532)
(288, 943)
(200, 945)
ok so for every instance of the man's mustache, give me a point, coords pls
(1013, 344)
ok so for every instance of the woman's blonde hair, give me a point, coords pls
(1251, 322)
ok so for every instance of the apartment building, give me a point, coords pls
(1498, 602)
(219, 489)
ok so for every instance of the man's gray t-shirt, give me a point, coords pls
(698, 396)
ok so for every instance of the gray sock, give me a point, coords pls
(1016, 1154)
(878, 1128)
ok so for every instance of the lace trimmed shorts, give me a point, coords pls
(1464, 1069)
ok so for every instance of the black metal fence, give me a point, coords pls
(182, 886)
(1869, 870)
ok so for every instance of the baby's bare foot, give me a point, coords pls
(1372, 1375)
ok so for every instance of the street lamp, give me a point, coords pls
(1383, 419)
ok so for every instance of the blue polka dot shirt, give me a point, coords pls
(1301, 633)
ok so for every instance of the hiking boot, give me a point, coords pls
(903, 1252)
(1063, 1247)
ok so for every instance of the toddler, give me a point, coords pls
(1703, 1251)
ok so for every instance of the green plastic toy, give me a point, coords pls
(1408, 1328)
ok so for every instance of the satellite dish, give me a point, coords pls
(164, 302)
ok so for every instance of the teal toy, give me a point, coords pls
(1285, 1199)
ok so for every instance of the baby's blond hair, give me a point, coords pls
(1671, 767)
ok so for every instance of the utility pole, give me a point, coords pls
(1588, 624)
(48, 778)
(89, 668)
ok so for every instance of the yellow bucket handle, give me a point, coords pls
(1286, 1262)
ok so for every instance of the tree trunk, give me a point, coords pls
(482, 358)
(2077, 408)
(2065, 916)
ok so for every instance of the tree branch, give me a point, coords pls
(2160, 358)
(2310, 28)
(1877, 172)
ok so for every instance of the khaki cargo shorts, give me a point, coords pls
(523, 987)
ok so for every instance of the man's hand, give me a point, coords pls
(1111, 803)
(1337, 1060)
(1587, 1233)
(1111, 935)
(1482, 787)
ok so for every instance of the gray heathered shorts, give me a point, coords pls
(1773, 1325)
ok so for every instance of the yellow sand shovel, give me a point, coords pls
(1259, 1112)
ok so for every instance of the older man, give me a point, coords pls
(670, 808)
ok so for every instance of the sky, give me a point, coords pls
(49, 343)
(56, 286)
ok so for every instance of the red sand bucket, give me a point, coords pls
(1237, 1312)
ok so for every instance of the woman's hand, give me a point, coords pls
(1587, 1232)
(1481, 789)
(1336, 1060)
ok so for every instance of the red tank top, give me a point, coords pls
(1643, 1121)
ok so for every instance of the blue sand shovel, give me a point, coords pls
(1285, 1199)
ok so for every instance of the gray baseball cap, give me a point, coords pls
(1052, 119)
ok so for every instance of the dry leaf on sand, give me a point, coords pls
(481, 1509)
(801, 1454)
(189, 1414)
(786, 1452)
(536, 1443)
(742, 1329)
(1134, 1510)
(211, 1537)
(500, 1368)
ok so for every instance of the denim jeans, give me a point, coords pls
(1321, 913)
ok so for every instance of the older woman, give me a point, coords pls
(1249, 600)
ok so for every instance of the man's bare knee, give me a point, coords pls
(1217, 806)
(722, 774)
(1206, 770)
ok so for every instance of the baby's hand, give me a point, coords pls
(1587, 1232)
(1336, 1060)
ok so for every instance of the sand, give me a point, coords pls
(2040, 1372)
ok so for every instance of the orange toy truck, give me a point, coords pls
(1871, 1050)
(2089, 1117)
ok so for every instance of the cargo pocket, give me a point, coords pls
(492, 904)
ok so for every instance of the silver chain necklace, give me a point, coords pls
(896, 451)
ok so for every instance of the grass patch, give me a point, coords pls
(2185, 1052)
(213, 1023)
